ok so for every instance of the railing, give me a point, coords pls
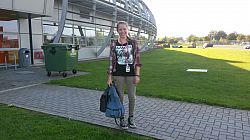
(6, 64)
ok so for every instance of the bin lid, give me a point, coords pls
(58, 45)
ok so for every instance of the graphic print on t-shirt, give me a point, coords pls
(123, 56)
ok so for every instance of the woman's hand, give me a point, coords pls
(109, 82)
(137, 75)
(137, 79)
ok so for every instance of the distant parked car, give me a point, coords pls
(191, 46)
(176, 46)
(247, 46)
(244, 43)
(158, 46)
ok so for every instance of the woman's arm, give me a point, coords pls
(110, 68)
(137, 63)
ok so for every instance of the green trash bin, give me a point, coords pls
(60, 57)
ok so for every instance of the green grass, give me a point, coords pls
(20, 124)
(163, 75)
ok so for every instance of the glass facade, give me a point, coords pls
(67, 36)
(8, 41)
(74, 34)
(88, 28)
(49, 31)
(83, 35)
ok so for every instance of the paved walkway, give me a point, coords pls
(161, 119)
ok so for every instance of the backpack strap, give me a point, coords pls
(116, 122)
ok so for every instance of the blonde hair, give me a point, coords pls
(121, 22)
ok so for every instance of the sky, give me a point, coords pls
(181, 18)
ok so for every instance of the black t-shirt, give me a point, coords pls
(124, 56)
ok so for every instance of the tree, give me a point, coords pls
(212, 35)
(248, 38)
(241, 37)
(206, 38)
(165, 39)
(222, 41)
(200, 38)
(221, 34)
(192, 38)
(232, 36)
(173, 40)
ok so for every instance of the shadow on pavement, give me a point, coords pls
(10, 78)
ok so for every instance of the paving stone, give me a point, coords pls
(211, 137)
(222, 137)
(245, 119)
(231, 121)
(181, 123)
(186, 135)
(165, 126)
(246, 133)
(197, 122)
(246, 128)
(227, 134)
(238, 134)
(198, 136)
(170, 130)
(202, 125)
(215, 133)
(209, 129)
(148, 128)
(231, 130)
(157, 119)
(189, 138)
(186, 127)
(239, 124)
(203, 132)
(163, 132)
(223, 126)
(211, 120)
(180, 137)
(192, 131)
(246, 137)
(180, 130)
(175, 134)
(176, 120)
(205, 138)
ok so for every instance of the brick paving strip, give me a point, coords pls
(158, 118)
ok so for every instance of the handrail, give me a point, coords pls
(6, 63)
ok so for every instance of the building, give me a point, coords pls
(87, 23)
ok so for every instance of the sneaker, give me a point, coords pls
(123, 124)
(131, 123)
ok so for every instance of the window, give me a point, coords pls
(8, 34)
(8, 26)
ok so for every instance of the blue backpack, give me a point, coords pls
(114, 108)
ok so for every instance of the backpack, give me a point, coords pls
(115, 108)
(104, 100)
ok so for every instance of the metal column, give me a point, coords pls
(62, 21)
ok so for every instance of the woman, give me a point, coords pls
(124, 68)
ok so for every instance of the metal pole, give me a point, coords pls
(31, 40)
(62, 21)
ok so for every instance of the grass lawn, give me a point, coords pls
(163, 75)
(20, 124)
